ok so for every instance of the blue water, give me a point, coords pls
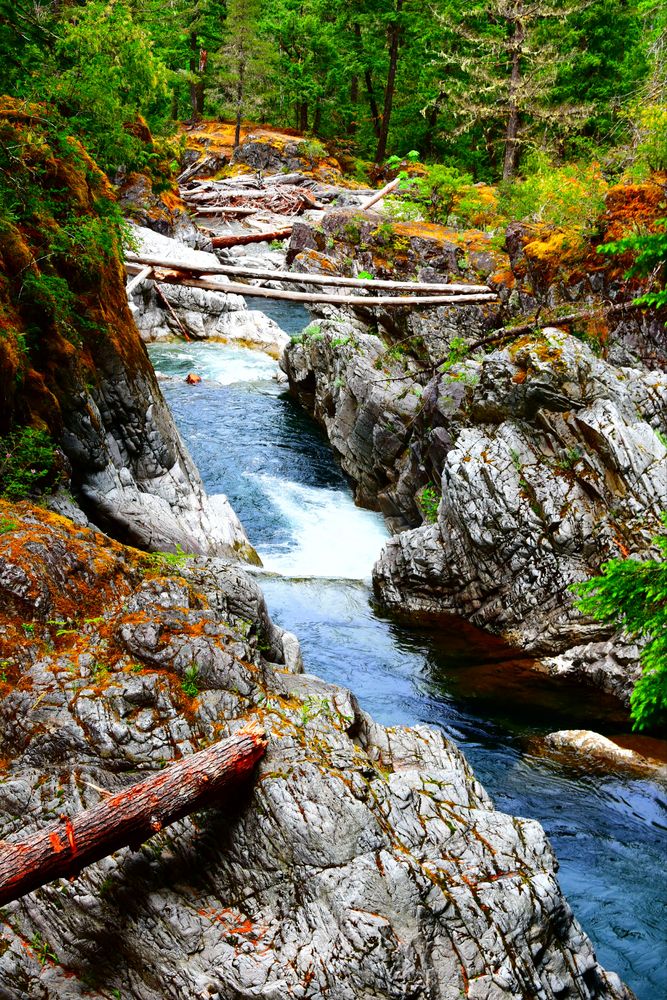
(251, 441)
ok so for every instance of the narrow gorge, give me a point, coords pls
(356, 527)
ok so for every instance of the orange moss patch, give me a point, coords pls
(634, 206)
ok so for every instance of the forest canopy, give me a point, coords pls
(485, 85)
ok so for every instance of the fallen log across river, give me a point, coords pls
(303, 278)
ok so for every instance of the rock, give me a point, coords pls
(275, 152)
(548, 464)
(87, 378)
(165, 213)
(342, 374)
(554, 468)
(590, 747)
(363, 861)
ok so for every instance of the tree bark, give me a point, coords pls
(372, 103)
(303, 278)
(394, 43)
(513, 120)
(254, 291)
(242, 239)
(130, 817)
(239, 104)
(196, 86)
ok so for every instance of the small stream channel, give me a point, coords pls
(252, 442)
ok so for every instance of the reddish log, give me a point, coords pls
(130, 817)
(244, 238)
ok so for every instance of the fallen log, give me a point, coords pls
(255, 291)
(137, 280)
(226, 210)
(130, 817)
(193, 169)
(380, 194)
(245, 238)
(303, 278)
(168, 306)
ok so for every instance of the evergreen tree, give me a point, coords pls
(244, 62)
(499, 65)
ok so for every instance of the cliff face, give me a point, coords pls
(363, 862)
(71, 359)
(517, 470)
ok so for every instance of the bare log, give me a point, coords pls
(168, 306)
(303, 278)
(226, 210)
(130, 817)
(245, 238)
(137, 280)
(193, 169)
(254, 291)
(380, 194)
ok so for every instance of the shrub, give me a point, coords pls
(27, 463)
(651, 150)
(429, 500)
(633, 594)
(570, 196)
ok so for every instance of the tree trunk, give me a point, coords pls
(196, 85)
(303, 116)
(239, 103)
(394, 43)
(130, 817)
(372, 103)
(317, 119)
(513, 120)
(243, 239)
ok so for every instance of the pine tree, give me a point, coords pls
(244, 62)
(499, 65)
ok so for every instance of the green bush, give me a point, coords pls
(650, 251)
(27, 463)
(633, 595)
(568, 196)
(429, 500)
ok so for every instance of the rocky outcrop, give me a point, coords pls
(165, 213)
(354, 384)
(72, 361)
(364, 862)
(586, 749)
(202, 314)
(517, 472)
(554, 466)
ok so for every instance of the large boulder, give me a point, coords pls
(363, 861)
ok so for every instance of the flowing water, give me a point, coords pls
(252, 442)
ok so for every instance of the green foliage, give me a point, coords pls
(650, 250)
(312, 149)
(189, 684)
(429, 500)
(568, 196)
(458, 350)
(27, 463)
(7, 525)
(633, 594)
(101, 74)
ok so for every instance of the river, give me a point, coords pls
(252, 442)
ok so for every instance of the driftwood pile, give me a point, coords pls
(281, 194)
